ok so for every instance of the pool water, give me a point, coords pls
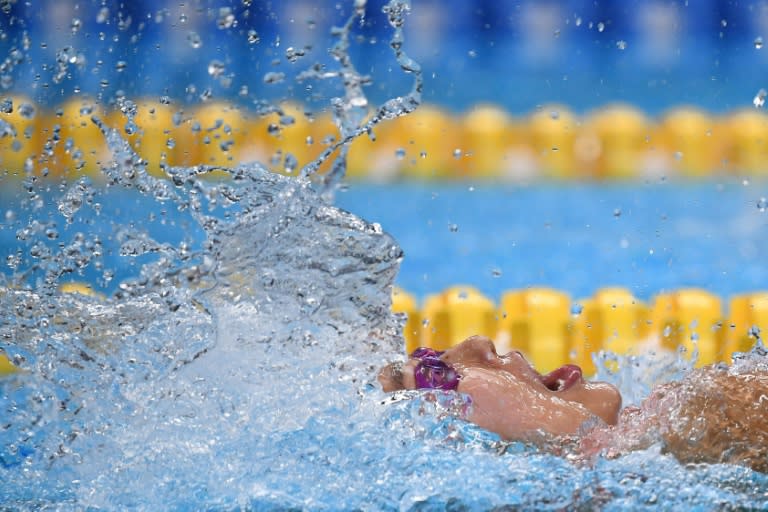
(578, 237)
(229, 359)
(253, 353)
(647, 237)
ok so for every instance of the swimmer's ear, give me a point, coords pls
(391, 377)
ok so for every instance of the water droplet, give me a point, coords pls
(226, 18)
(292, 54)
(290, 163)
(193, 38)
(496, 272)
(578, 21)
(600, 26)
(423, 154)
(253, 37)
(120, 66)
(457, 153)
(123, 23)
(759, 99)
(6, 106)
(758, 43)
(399, 153)
(170, 143)
(273, 77)
(617, 212)
(453, 228)
(103, 15)
(216, 68)
(723, 23)
(621, 44)
(678, 155)
(762, 204)
(75, 25)
(576, 309)
(66, 55)
(206, 95)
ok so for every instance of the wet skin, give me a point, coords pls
(511, 398)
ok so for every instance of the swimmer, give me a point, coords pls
(715, 414)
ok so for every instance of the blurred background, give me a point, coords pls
(663, 100)
(516, 54)
(512, 89)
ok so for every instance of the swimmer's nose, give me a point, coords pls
(483, 345)
(477, 348)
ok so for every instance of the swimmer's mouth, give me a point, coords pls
(563, 378)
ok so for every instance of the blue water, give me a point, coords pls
(256, 391)
(577, 237)
(231, 362)
(647, 237)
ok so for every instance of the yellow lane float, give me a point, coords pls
(454, 315)
(748, 321)
(73, 144)
(616, 142)
(405, 303)
(487, 139)
(427, 144)
(692, 319)
(551, 330)
(746, 139)
(535, 321)
(552, 130)
(613, 319)
(691, 142)
(486, 142)
(156, 132)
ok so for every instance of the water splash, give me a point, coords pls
(349, 113)
(252, 356)
(277, 322)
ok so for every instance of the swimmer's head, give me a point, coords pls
(509, 396)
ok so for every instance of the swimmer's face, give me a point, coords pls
(511, 398)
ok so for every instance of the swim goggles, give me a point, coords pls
(431, 372)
